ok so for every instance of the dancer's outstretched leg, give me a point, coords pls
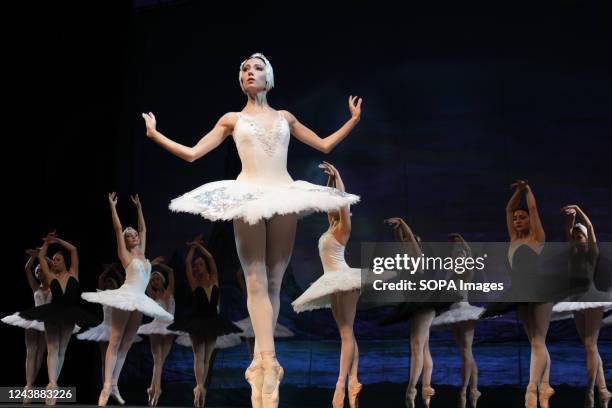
(540, 320)
(154, 390)
(199, 364)
(32, 353)
(131, 327)
(420, 323)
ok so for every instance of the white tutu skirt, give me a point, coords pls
(565, 310)
(458, 312)
(317, 295)
(247, 329)
(230, 199)
(99, 333)
(223, 342)
(157, 327)
(18, 321)
(125, 298)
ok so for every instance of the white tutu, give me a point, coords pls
(18, 321)
(264, 187)
(131, 295)
(318, 295)
(222, 342)
(607, 321)
(565, 310)
(247, 329)
(229, 199)
(458, 312)
(159, 326)
(100, 333)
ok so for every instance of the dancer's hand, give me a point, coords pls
(150, 123)
(570, 209)
(328, 169)
(522, 185)
(158, 260)
(51, 238)
(197, 240)
(394, 222)
(355, 107)
(33, 253)
(455, 237)
(112, 199)
(136, 200)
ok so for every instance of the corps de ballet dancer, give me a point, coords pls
(527, 239)
(109, 279)
(263, 202)
(585, 302)
(129, 302)
(62, 313)
(203, 322)
(34, 330)
(461, 318)
(160, 289)
(339, 287)
(420, 315)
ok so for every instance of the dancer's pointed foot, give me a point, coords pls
(153, 393)
(26, 398)
(545, 391)
(531, 396)
(50, 399)
(354, 389)
(474, 395)
(338, 400)
(115, 394)
(426, 393)
(198, 397)
(604, 397)
(462, 401)
(104, 394)
(273, 374)
(150, 392)
(410, 397)
(254, 375)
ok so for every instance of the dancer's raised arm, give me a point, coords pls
(210, 141)
(513, 204)
(586, 221)
(122, 252)
(33, 253)
(74, 255)
(537, 230)
(342, 228)
(142, 228)
(326, 144)
(210, 262)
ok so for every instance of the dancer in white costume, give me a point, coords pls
(263, 203)
(62, 313)
(461, 319)
(203, 322)
(585, 302)
(160, 289)
(129, 302)
(34, 330)
(339, 287)
(109, 279)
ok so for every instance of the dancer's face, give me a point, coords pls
(132, 239)
(58, 263)
(254, 76)
(578, 237)
(110, 283)
(157, 282)
(520, 220)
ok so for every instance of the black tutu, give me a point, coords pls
(203, 319)
(529, 281)
(63, 308)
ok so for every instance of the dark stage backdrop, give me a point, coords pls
(456, 107)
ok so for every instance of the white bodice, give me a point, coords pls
(331, 253)
(169, 306)
(40, 298)
(262, 149)
(137, 275)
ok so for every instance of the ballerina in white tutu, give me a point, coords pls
(129, 302)
(160, 289)
(264, 203)
(34, 330)
(339, 287)
(585, 302)
(461, 319)
(111, 278)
